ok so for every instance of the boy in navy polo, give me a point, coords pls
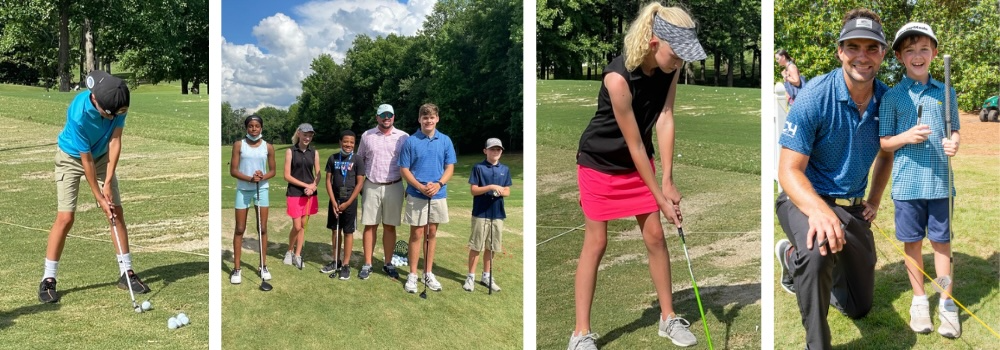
(490, 182)
(89, 148)
(920, 173)
(426, 162)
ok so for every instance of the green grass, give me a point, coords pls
(976, 268)
(308, 309)
(163, 179)
(717, 169)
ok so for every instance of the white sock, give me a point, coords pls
(486, 275)
(919, 300)
(50, 269)
(124, 263)
(472, 276)
(948, 305)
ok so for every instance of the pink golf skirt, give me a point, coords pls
(606, 197)
(296, 206)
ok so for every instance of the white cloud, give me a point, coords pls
(270, 72)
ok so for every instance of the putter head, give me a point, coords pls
(423, 295)
(941, 283)
(264, 286)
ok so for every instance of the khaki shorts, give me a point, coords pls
(416, 211)
(481, 234)
(69, 174)
(381, 204)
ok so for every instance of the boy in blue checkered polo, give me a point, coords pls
(913, 126)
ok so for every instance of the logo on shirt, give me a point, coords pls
(790, 129)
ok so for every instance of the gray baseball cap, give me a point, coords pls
(862, 28)
(306, 127)
(494, 142)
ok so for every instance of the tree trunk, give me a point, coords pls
(195, 86)
(718, 67)
(730, 65)
(743, 68)
(63, 46)
(184, 86)
(702, 71)
(89, 46)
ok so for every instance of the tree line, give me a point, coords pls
(590, 33)
(966, 30)
(467, 59)
(53, 42)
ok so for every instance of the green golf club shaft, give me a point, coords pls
(697, 296)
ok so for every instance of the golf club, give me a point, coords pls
(492, 253)
(427, 231)
(305, 223)
(336, 243)
(128, 280)
(942, 282)
(264, 286)
(704, 322)
(920, 112)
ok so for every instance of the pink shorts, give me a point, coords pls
(606, 197)
(297, 206)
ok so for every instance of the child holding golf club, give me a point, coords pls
(615, 171)
(490, 182)
(252, 164)
(302, 174)
(344, 175)
(426, 161)
(913, 126)
(89, 147)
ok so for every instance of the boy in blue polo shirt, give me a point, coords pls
(426, 162)
(89, 148)
(490, 181)
(920, 172)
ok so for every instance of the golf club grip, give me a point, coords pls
(947, 96)
(920, 112)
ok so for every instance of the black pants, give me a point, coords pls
(845, 280)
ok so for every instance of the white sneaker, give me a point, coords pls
(264, 274)
(432, 282)
(234, 277)
(950, 326)
(288, 257)
(297, 261)
(411, 283)
(920, 319)
(470, 283)
(486, 282)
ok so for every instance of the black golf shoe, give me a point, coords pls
(783, 251)
(47, 291)
(390, 271)
(137, 285)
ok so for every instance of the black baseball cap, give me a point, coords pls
(862, 28)
(110, 91)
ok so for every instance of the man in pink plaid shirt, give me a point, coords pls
(382, 194)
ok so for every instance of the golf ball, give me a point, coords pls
(184, 320)
(172, 323)
(146, 305)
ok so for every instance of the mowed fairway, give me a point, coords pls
(717, 169)
(976, 249)
(308, 310)
(163, 180)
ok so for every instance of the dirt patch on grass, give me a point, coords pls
(169, 177)
(730, 250)
(37, 175)
(550, 183)
(978, 138)
(621, 259)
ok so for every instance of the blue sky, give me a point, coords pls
(269, 45)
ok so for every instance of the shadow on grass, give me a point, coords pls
(715, 299)
(7, 317)
(975, 280)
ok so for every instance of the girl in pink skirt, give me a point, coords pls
(615, 171)
(302, 174)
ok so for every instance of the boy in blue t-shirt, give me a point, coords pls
(344, 175)
(490, 182)
(89, 148)
(920, 174)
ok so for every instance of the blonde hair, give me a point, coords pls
(295, 138)
(641, 30)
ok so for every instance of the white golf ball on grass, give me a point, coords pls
(146, 305)
(172, 323)
(183, 319)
